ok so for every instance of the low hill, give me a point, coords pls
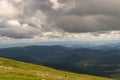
(98, 62)
(14, 70)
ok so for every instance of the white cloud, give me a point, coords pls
(8, 9)
(56, 4)
(57, 36)
(14, 23)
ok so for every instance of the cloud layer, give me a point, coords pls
(90, 16)
(59, 19)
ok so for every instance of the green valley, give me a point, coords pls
(15, 70)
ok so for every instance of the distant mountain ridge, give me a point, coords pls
(71, 44)
(92, 45)
(81, 60)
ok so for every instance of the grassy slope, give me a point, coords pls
(14, 70)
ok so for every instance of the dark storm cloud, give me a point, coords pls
(90, 16)
(29, 18)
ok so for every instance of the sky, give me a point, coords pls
(59, 20)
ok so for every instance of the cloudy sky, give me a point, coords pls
(59, 20)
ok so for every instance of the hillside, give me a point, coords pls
(96, 62)
(14, 70)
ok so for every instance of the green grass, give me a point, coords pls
(14, 70)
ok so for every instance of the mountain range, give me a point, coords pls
(98, 61)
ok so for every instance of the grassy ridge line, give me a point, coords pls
(15, 70)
